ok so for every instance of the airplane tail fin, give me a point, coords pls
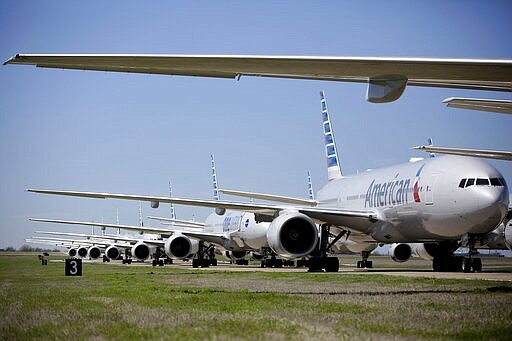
(310, 187)
(141, 222)
(430, 144)
(173, 212)
(331, 152)
(216, 195)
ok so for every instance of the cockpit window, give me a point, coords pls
(462, 183)
(503, 181)
(482, 182)
(495, 182)
(470, 182)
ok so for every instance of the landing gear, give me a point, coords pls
(444, 260)
(205, 256)
(472, 263)
(365, 263)
(105, 259)
(127, 259)
(272, 262)
(156, 258)
(320, 261)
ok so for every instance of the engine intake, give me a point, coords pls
(400, 252)
(112, 252)
(292, 235)
(94, 252)
(72, 252)
(180, 247)
(141, 251)
(82, 251)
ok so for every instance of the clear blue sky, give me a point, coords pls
(127, 133)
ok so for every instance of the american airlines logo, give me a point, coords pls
(394, 192)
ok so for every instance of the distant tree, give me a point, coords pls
(26, 248)
(10, 248)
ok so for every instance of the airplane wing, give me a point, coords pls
(351, 219)
(490, 154)
(480, 104)
(217, 238)
(387, 77)
(271, 197)
(160, 231)
(181, 222)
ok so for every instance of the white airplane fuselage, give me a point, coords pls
(422, 201)
(241, 227)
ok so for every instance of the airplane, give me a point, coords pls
(435, 201)
(387, 77)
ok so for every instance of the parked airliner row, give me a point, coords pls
(435, 202)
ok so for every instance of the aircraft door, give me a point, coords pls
(430, 188)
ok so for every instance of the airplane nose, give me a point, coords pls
(493, 196)
(493, 206)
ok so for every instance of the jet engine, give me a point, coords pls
(292, 235)
(94, 252)
(400, 252)
(235, 255)
(82, 251)
(141, 251)
(180, 247)
(112, 252)
(72, 252)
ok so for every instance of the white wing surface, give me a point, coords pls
(358, 220)
(490, 154)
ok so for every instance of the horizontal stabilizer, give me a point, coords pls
(490, 105)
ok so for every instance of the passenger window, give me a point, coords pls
(470, 182)
(462, 183)
(482, 182)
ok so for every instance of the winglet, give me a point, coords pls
(331, 152)
(11, 60)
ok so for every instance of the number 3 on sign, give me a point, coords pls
(73, 267)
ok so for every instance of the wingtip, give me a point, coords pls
(12, 59)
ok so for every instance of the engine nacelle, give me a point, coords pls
(345, 246)
(72, 252)
(94, 252)
(292, 235)
(400, 252)
(235, 255)
(82, 252)
(141, 251)
(508, 234)
(112, 252)
(180, 247)
(426, 251)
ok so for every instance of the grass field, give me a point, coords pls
(141, 302)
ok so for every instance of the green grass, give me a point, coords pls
(141, 302)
